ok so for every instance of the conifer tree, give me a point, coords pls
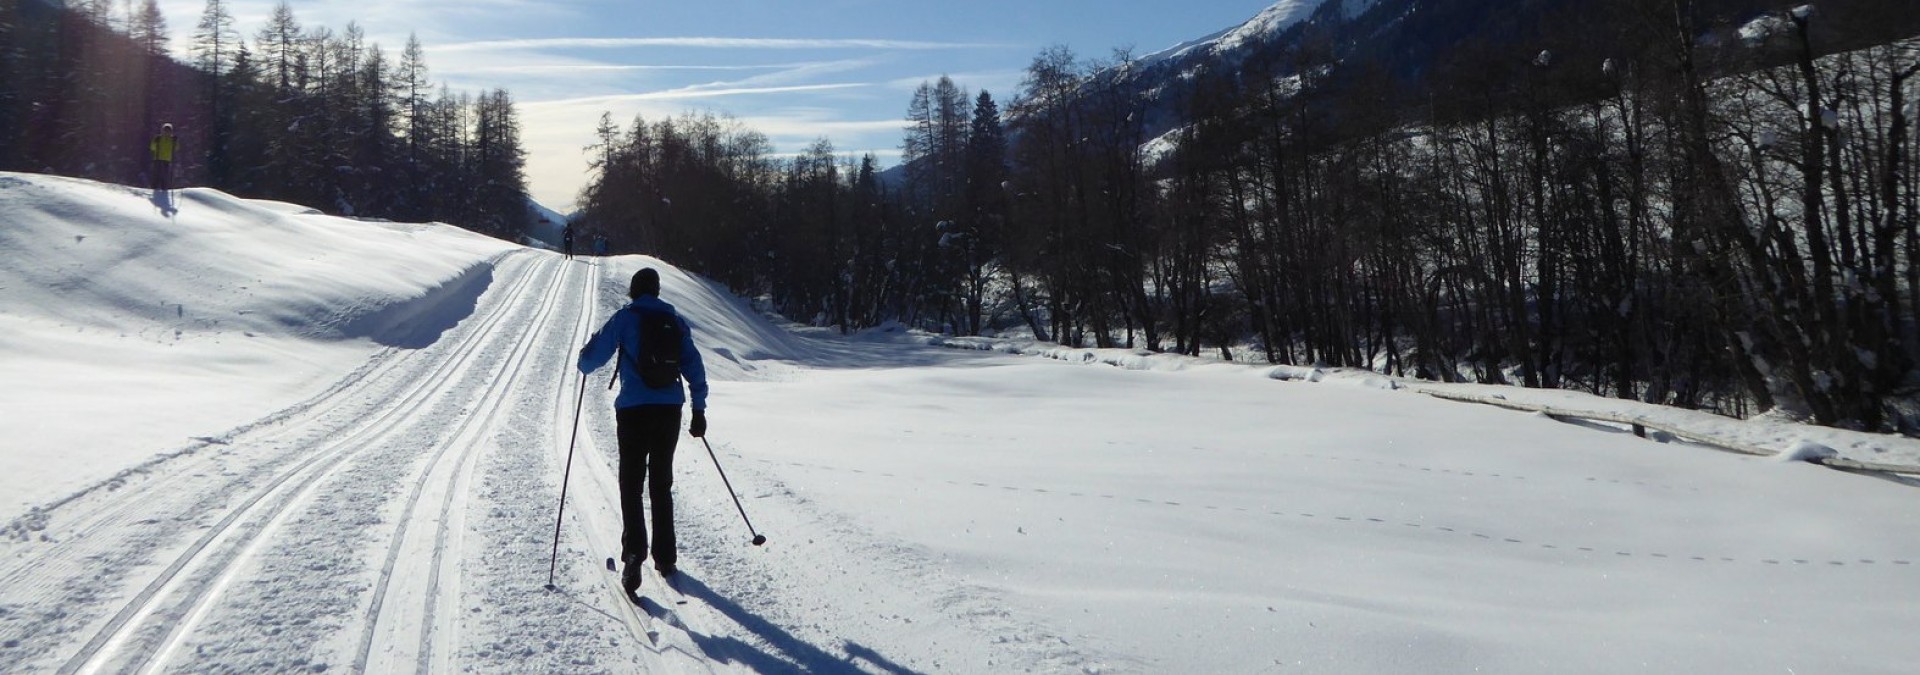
(215, 41)
(279, 45)
(148, 28)
(984, 211)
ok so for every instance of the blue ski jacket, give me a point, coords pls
(622, 330)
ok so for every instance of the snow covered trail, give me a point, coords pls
(362, 529)
(201, 561)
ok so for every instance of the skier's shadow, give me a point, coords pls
(794, 654)
(163, 200)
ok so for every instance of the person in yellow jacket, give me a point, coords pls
(163, 147)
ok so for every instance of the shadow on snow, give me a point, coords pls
(790, 654)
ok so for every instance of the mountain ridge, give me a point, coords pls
(1412, 41)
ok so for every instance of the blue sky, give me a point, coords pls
(795, 70)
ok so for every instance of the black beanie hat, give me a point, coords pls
(645, 282)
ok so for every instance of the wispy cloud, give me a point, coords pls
(842, 131)
(712, 43)
(690, 93)
(617, 67)
(797, 73)
(540, 77)
(1002, 82)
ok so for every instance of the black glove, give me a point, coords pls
(699, 426)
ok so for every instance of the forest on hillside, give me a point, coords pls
(304, 114)
(1665, 204)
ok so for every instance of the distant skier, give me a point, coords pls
(655, 349)
(566, 239)
(163, 147)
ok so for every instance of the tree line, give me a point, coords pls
(823, 238)
(300, 114)
(1676, 209)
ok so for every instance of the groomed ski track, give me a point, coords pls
(372, 528)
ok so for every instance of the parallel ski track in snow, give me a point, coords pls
(88, 543)
(383, 646)
(174, 557)
(197, 576)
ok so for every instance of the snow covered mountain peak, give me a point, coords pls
(1281, 16)
(1269, 22)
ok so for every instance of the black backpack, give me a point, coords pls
(659, 359)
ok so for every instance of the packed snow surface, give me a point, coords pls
(260, 440)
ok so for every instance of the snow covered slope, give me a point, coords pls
(1266, 25)
(129, 335)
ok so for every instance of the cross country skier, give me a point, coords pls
(163, 147)
(566, 235)
(655, 349)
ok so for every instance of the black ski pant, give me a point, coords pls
(162, 174)
(647, 436)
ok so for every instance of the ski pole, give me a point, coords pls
(564, 479)
(758, 538)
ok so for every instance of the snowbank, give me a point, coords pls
(132, 335)
(1806, 451)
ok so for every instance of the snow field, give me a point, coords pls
(1216, 521)
(1761, 435)
(382, 444)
